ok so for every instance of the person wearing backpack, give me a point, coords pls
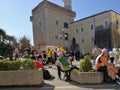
(46, 73)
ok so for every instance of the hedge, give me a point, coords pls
(6, 65)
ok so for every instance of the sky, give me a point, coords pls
(15, 14)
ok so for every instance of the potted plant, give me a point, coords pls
(85, 64)
(19, 73)
(86, 74)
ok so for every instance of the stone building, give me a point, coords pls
(102, 29)
(54, 25)
(51, 24)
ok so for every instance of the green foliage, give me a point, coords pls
(10, 65)
(24, 43)
(28, 64)
(86, 65)
(6, 65)
(6, 50)
(75, 70)
(15, 65)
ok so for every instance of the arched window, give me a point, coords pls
(57, 22)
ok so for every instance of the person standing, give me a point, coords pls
(115, 52)
(77, 55)
(95, 52)
(49, 56)
(16, 53)
(111, 55)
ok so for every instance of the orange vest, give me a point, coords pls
(103, 62)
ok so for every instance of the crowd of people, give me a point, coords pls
(113, 54)
(105, 60)
(49, 57)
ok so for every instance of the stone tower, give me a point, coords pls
(51, 24)
(67, 4)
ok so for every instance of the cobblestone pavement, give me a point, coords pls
(57, 84)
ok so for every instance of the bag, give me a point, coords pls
(46, 74)
(107, 78)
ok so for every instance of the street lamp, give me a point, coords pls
(62, 35)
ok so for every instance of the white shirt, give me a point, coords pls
(111, 54)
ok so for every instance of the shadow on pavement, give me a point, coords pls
(28, 87)
(104, 85)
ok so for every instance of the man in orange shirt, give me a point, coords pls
(102, 65)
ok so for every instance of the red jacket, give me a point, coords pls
(38, 64)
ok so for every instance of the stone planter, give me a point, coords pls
(21, 77)
(87, 77)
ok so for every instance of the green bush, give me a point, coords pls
(15, 65)
(86, 65)
(6, 65)
(28, 64)
(10, 65)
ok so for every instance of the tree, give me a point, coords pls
(2, 35)
(6, 46)
(24, 43)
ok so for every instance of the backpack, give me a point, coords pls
(64, 63)
(46, 74)
(107, 78)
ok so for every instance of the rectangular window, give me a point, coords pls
(117, 24)
(66, 25)
(91, 26)
(39, 23)
(106, 23)
(56, 37)
(82, 40)
(57, 22)
(81, 28)
(92, 39)
(76, 30)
